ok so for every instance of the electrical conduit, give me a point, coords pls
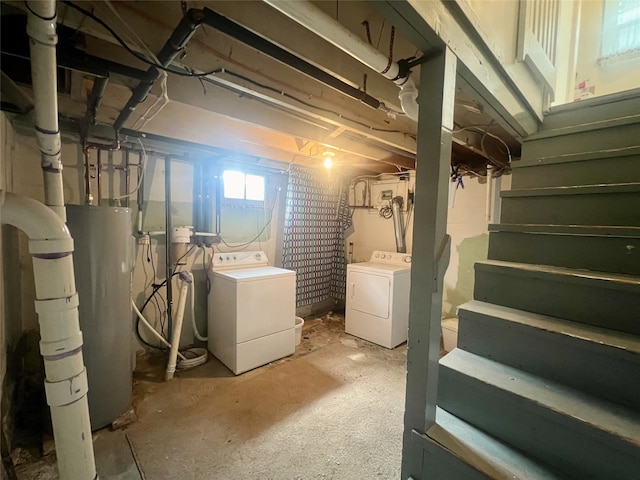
(315, 20)
(51, 246)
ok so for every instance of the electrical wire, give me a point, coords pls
(204, 74)
(246, 244)
(139, 56)
(164, 97)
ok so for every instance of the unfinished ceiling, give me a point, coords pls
(250, 103)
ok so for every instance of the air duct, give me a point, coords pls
(398, 224)
(312, 18)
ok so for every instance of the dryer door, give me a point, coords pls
(368, 293)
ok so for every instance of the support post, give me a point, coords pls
(430, 252)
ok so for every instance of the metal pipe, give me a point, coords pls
(41, 28)
(398, 224)
(315, 20)
(140, 195)
(93, 102)
(88, 197)
(255, 41)
(51, 246)
(167, 241)
(127, 178)
(179, 38)
(99, 176)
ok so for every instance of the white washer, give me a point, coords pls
(252, 310)
(377, 306)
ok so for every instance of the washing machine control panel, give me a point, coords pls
(390, 257)
(224, 260)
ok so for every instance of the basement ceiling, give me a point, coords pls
(251, 104)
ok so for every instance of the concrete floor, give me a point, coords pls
(334, 410)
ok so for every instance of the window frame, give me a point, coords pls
(610, 36)
(242, 201)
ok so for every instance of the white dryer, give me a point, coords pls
(377, 305)
(251, 311)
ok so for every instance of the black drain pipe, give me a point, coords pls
(240, 33)
(179, 38)
(93, 102)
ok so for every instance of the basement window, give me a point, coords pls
(621, 29)
(237, 185)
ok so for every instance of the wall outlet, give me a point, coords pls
(387, 194)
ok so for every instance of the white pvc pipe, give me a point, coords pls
(60, 338)
(488, 203)
(41, 28)
(186, 279)
(196, 333)
(151, 329)
(312, 18)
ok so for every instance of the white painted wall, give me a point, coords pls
(611, 76)
(466, 224)
(24, 163)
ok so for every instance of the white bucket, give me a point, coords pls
(299, 324)
(450, 333)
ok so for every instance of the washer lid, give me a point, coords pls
(384, 268)
(251, 274)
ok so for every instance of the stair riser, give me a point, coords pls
(623, 136)
(614, 209)
(440, 464)
(589, 172)
(613, 374)
(590, 112)
(587, 302)
(559, 441)
(603, 254)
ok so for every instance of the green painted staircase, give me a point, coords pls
(545, 382)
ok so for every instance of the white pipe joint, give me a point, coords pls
(62, 322)
(409, 99)
(326, 27)
(67, 391)
(41, 22)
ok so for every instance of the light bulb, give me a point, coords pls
(327, 159)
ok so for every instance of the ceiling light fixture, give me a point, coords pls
(328, 156)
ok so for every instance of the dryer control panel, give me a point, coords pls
(394, 258)
(225, 260)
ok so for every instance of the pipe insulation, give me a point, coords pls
(315, 20)
(41, 28)
(51, 246)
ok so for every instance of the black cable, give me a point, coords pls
(186, 253)
(204, 268)
(188, 73)
(385, 212)
(243, 245)
(140, 57)
(156, 288)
